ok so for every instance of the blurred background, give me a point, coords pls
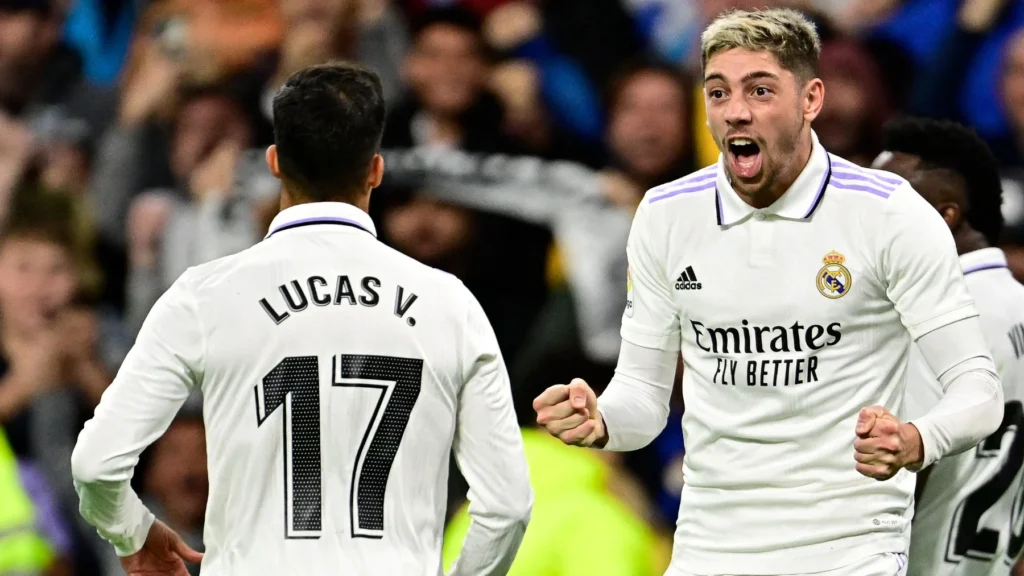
(521, 136)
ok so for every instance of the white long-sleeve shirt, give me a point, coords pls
(337, 376)
(791, 319)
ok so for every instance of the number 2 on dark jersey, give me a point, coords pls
(966, 539)
(295, 385)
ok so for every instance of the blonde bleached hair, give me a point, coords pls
(784, 32)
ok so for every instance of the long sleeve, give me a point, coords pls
(489, 450)
(635, 405)
(971, 406)
(158, 374)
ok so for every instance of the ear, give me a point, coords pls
(950, 212)
(376, 171)
(272, 161)
(813, 99)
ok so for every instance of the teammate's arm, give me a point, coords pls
(921, 271)
(156, 377)
(634, 408)
(489, 451)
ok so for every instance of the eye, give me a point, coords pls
(716, 93)
(762, 91)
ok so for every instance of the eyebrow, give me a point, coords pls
(751, 76)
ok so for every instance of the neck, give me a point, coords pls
(764, 197)
(289, 199)
(968, 239)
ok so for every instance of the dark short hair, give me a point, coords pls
(455, 16)
(647, 65)
(40, 214)
(328, 124)
(947, 145)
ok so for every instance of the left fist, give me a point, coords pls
(884, 444)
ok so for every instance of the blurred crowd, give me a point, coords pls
(521, 135)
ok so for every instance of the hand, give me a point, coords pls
(980, 15)
(151, 86)
(620, 190)
(884, 444)
(512, 24)
(163, 554)
(215, 175)
(79, 331)
(570, 413)
(146, 220)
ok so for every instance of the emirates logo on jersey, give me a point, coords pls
(773, 348)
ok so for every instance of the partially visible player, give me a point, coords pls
(337, 377)
(794, 283)
(968, 514)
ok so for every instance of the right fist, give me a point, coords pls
(570, 413)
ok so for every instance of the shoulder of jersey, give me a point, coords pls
(699, 183)
(856, 181)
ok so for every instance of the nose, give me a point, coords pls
(737, 112)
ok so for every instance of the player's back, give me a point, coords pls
(333, 368)
(967, 522)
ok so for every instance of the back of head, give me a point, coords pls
(787, 34)
(947, 145)
(328, 124)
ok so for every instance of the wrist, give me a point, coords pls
(913, 447)
(600, 432)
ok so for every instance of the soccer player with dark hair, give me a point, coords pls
(337, 376)
(794, 283)
(966, 521)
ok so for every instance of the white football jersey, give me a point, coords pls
(968, 521)
(791, 319)
(337, 376)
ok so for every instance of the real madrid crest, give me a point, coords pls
(834, 280)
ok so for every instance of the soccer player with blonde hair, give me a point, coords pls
(794, 283)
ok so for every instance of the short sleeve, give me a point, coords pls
(651, 319)
(920, 266)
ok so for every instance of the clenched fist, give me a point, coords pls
(569, 411)
(884, 444)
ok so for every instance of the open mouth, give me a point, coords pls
(744, 157)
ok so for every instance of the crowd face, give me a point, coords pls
(202, 125)
(26, 39)
(428, 230)
(649, 126)
(446, 69)
(37, 282)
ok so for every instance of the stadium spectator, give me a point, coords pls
(205, 216)
(857, 105)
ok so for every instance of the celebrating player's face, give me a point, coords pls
(757, 111)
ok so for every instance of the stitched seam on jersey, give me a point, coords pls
(952, 312)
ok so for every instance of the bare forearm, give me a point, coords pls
(15, 395)
(93, 379)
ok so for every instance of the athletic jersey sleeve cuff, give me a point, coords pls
(644, 339)
(944, 319)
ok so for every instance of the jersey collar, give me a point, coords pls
(330, 213)
(984, 259)
(798, 203)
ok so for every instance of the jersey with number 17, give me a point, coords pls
(338, 375)
(968, 521)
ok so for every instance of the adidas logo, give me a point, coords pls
(687, 280)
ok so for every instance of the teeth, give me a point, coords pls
(742, 141)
